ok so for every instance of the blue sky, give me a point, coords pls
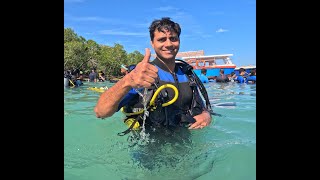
(215, 26)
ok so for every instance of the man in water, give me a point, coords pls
(165, 40)
(164, 124)
(93, 76)
(203, 76)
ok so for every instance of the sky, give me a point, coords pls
(215, 26)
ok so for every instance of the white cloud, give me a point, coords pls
(122, 33)
(69, 17)
(221, 30)
(92, 18)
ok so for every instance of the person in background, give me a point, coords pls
(203, 76)
(79, 79)
(232, 77)
(101, 77)
(251, 79)
(68, 78)
(93, 76)
(252, 72)
(242, 76)
(222, 77)
(123, 69)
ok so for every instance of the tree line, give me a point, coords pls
(85, 55)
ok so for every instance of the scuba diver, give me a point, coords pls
(187, 110)
(73, 78)
(222, 77)
(166, 92)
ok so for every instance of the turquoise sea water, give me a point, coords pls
(225, 150)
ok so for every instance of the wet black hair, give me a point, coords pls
(164, 24)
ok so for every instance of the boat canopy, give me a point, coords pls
(221, 56)
(209, 60)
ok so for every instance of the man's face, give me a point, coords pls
(166, 45)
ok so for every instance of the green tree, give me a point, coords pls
(87, 54)
(74, 54)
(134, 58)
(70, 35)
(92, 54)
(111, 59)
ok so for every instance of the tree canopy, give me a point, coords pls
(85, 55)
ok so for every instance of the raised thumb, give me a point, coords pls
(147, 55)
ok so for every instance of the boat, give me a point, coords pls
(213, 63)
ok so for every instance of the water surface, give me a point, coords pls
(225, 150)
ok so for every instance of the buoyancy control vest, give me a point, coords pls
(179, 113)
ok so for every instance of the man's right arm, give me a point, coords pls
(143, 76)
(109, 100)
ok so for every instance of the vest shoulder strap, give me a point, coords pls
(188, 70)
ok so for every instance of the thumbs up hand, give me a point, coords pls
(147, 56)
(144, 74)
